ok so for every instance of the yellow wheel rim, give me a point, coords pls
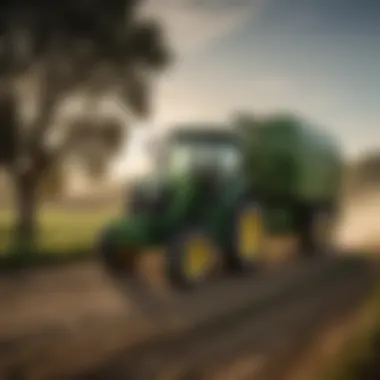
(250, 234)
(199, 257)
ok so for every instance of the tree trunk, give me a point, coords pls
(26, 191)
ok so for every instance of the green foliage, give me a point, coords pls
(86, 34)
(64, 47)
(70, 45)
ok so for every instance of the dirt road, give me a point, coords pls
(43, 300)
(261, 340)
(95, 339)
(70, 320)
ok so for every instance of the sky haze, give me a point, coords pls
(319, 58)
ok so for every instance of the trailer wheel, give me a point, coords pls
(316, 235)
(192, 258)
(246, 245)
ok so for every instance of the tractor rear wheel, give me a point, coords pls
(316, 230)
(245, 251)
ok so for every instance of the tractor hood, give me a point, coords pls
(131, 232)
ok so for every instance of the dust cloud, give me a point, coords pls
(359, 226)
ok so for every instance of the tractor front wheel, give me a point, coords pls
(118, 262)
(120, 265)
(192, 258)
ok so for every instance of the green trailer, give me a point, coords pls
(218, 190)
(297, 170)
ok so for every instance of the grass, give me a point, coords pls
(62, 234)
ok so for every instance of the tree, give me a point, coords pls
(60, 48)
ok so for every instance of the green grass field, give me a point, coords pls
(60, 232)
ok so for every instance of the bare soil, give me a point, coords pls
(63, 300)
(43, 299)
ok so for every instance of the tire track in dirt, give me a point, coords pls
(256, 335)
(93, 341)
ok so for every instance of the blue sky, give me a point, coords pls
(320, 58)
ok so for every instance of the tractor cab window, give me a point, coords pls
(185, 155)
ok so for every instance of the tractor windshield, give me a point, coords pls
(187, 152)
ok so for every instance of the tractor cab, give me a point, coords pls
(200, 157)
(193, 205)
(210, 148)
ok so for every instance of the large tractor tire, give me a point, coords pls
(316, 232)
(192, 258)
(245, 251)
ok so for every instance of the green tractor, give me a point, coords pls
(218, 191)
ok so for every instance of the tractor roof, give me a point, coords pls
(202, 132)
